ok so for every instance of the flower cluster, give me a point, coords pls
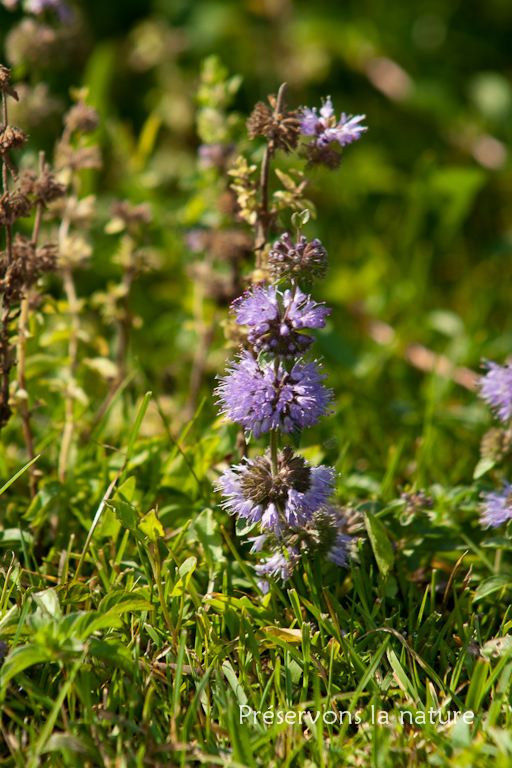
(496, 390)
(264, 397)
(272, 388)
(326, 130)
(276, 320)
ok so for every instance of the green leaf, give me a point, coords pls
(151, 526)
(483, 466)
(126, 514)
(494, 584)
(243, 527)
(113, 652)
(296, 436)
(18, 660)
(205, 528)
(380, 543)
(126, 491)
(21, 471)
(265, 359)
(119, 601)
(73, 592)
(185, 572)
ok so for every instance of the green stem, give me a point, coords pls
(157, 569)
(273, 451)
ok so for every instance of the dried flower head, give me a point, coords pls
(5, 82)
(37, 108)
(280, 128)
(28, 263)
(77, 159)
(303, 261)
(496, 444)
(81, 118)
(13, 206)
(32, 43)
(12, 137)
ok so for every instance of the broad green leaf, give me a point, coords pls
(234, 682)
(126, 491)
(380, 543)
(494, 584)
(18, 660)
(48, 601)
(483, 466)
(283, 633)
(113, 652)
(126, 514)
(185, 572)
(73, 592)
(119, 601)
(243, 527)
(151, 526)
(205, 528)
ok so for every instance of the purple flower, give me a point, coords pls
(275, 319)
(37, 7)
(288, 499)
(261, 399)
(280, 564)
(325, 129)
(497, 506)
(496, 389)
(339, 553)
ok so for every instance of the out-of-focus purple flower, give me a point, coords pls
(259, 399)
(275, 319)
(496, 389)
(279, 565)
(303, 260)
(325, 129)
(339, 553)
(37, 7)
(289, 498)
(213, 155)
(497, 506)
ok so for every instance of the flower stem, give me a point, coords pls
(273, 451)
(157, 570)
(5, 360)
(262, 223)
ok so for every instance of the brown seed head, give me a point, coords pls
(12, 137)
(5, 82)
(82, 118)
(280, 128)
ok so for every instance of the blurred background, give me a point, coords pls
(417, 221)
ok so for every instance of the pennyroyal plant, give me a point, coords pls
(272, 388)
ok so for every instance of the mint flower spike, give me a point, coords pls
(275, 320)
(289, 498)
(496, 389)
(497, 506)
(268, 397)
(325, 129)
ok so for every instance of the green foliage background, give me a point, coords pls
(417, 225)
(417, 229)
